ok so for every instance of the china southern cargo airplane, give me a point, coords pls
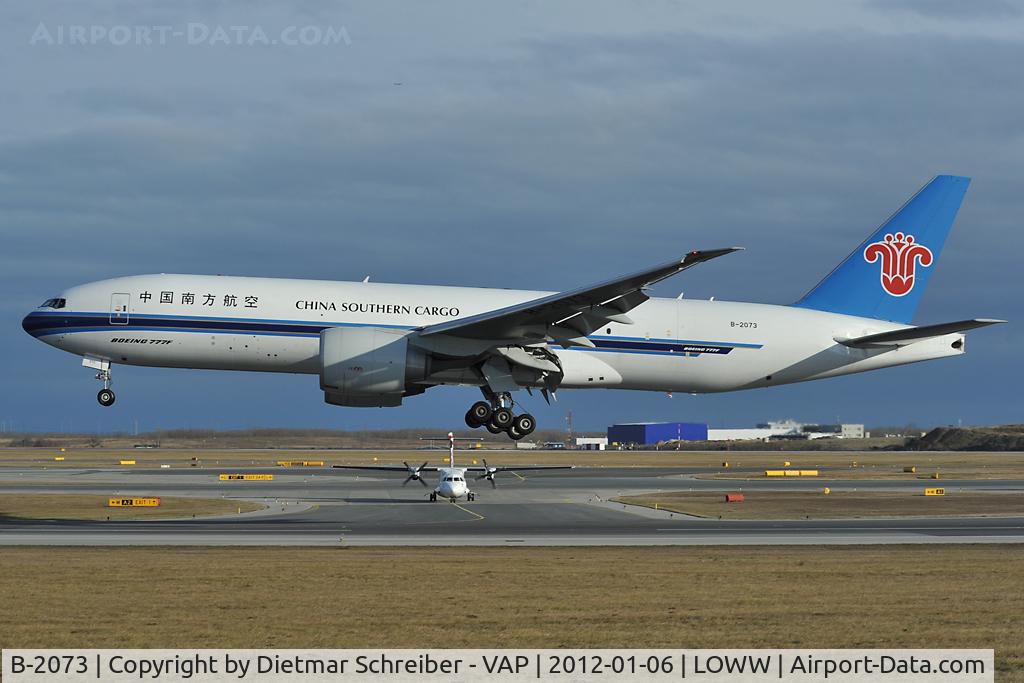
(451, 481)
(374, 344)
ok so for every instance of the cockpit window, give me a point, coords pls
(54, 303)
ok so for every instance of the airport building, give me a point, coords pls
(788, 429)
(649, 433)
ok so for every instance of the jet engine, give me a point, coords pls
(370, 366)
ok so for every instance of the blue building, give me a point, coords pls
(654, 432)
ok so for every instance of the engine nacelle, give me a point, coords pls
(369, 366)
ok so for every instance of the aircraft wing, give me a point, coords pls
(568, 317)
(909, 335)
(386, 468)
(517, 468)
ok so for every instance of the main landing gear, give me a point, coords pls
(497, 417)
(469, 497)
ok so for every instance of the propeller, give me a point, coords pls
(488, 474)
(414, 473)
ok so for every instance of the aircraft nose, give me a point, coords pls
(33, 323)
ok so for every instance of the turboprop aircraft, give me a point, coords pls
(375, 344)
(451, 480)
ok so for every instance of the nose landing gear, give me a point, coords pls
(105, 395)
(497, 416)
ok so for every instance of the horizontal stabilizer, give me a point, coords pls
(910, 335)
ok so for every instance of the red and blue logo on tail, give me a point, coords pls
(899, 256)
(886, 275)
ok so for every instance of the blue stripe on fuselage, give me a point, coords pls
(45, 323)
(40, 324)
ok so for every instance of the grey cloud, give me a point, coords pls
(951, 9)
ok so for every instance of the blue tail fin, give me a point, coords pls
(886, 275)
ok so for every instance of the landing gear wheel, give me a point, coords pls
(480, 412)
(514, 433)
(524, 424)
(471, 421)
(433, 497)
(106, 397)
(502, 418)
(492, 429)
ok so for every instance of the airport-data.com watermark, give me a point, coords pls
(191, 33)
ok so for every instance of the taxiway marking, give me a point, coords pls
(478, 516)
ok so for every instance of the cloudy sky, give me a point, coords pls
(534, 144)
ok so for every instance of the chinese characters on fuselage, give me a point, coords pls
(189, 299)
(250, 301)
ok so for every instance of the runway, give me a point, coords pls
(327, 507)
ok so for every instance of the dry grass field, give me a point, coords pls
(876, 596)
(868, 463)
(836, 505)
(74, 506)
(946, 466)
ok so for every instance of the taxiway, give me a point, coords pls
(334, 507)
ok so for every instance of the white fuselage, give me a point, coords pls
(273, 325)
(451, 483)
